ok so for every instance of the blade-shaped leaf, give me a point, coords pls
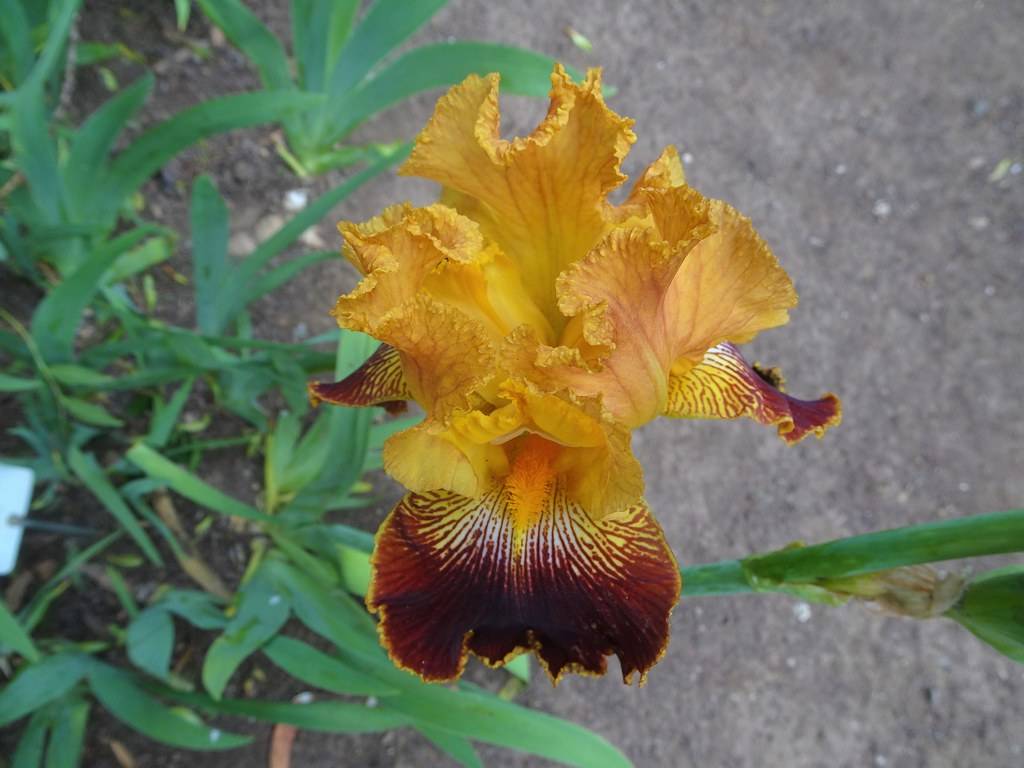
(434, 66)
(13, 636)
(68, 733)
(217, 293)
(40, 683)
(88, 470)
(385, 26)
(156, 146)
(262, 611)
(121, 695)
(319, 30)
(258, 43)
(316, 668)
(32, 744)
(457, 748)
(93, 142)
(150, 641)
(188, 485)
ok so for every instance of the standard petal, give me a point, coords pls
(725, 386)
(729, 288)
(378, 381)
(542, 198)
(521, 569)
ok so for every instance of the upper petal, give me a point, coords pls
(541, 198)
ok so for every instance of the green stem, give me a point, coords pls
(725, 577)
(990, 534)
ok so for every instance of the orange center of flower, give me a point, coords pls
(530, 484)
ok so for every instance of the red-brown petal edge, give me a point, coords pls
(454, 574)
(724, 386)
(378, 381)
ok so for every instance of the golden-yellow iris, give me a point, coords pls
(537, 324)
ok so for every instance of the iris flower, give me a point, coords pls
(537, 324)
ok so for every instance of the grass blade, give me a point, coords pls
(150, 641)
(93, 142)
(316, 668)
(14, 637)
(385, 26)
(262, 611)
(319, 30)
(68, 734)
(40, 683)
(86, 468)
(435, 66)
(156, 146)
(249, 35)
(190, 486)
(217, 293)
(118, 692)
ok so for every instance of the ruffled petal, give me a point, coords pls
(725, 386)
(540, 198)
(378, 381)
(522, 568)
(729, 288)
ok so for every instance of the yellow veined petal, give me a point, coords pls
(724, 386)
(540, 198)
(521, 568)
(446, 356)
(378, 381)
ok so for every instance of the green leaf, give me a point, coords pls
(68, 733)
(14, 384)
(79, 376)
(90, 413)
(990, 534)
(29, 753)
(520, 667)
(992, 608)
(182, 11)
(313, 213)
(218, 292)
(88, 470)
(16, 33)
(92, 143)
(262, 611)
(457, 748)
(62, 15)
(435, 66)
(188, 485)
(355, 569)
(258, 43)
(165, 416)
(155, 250)
(118, 692)
(319, 30)
(155, 147)
(14, 637)
(386, 25)
(35, 152)
(326, 716)
(150, 641)
(56, 319)
(316, 668)
(40, 683)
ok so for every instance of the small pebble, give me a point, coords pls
(687, 158)
(1015, 169)
(802, 612)
(214, 735)
(990, 290)
(371, 702)
(241, 244)
(274, 599)
(882, 208)
(978, 222)
(268, 225)
(303, 698)
(840, 170)
(964, 487)
(296, 199)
